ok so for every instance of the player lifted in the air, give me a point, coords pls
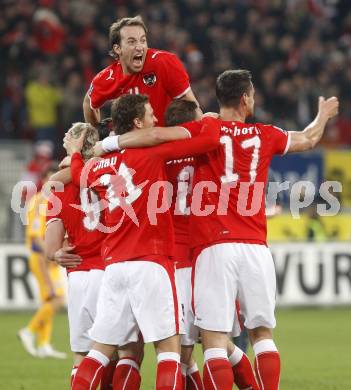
(137, 69)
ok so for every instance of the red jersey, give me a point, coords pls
(163, 78)
(136, 193)
(180, 173)
(80, 215)
(229, 184)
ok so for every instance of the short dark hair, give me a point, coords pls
(125, 109)
(116, 27)
(180, 111)
(231, 85)
(104, 127)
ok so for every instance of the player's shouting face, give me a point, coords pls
(132, 48)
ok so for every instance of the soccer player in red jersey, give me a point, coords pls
(180, 173)
(137, 70)
(138, 292)
(82, 258)
(228, 226)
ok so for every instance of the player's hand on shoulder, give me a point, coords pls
(98, 150)
(328, 107)
(65, 258)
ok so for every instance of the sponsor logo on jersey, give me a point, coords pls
(110, 75)
(149, 79)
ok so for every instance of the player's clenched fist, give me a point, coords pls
(328, 107)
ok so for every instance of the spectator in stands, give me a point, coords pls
(43, 100)
(289, 45)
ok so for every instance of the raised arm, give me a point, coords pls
(310, 136)
(91, 115)
(190, 96)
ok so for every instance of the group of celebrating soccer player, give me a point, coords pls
(162, 230)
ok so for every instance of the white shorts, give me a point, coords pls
(237, 325)
(183, 280)
(225, 272)
(137, 296)
(83, 291)
(184, 289)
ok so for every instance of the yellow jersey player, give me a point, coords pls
(36, 336)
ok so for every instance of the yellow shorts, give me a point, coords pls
(54, 273)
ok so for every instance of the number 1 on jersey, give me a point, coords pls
(230, 176)
(185, 184)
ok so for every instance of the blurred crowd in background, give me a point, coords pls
(297, 49)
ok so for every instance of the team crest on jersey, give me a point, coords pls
(149, 79)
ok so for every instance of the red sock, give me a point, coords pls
(88, 375)
(193, 379)
(267, 368)
(244, 376)
(218, 372)
(194, 382)
(127, 375)
(73, 374)
(169, 372)
(107, 376)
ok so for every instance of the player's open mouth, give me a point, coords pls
(138, 60)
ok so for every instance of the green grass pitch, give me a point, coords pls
(314, 345)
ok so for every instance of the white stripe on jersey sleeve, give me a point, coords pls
(52, 220)
(287, 144)
(188, 132)
(183, 93)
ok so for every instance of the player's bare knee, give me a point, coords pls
(132, 350)
(259, 333)
(78, 357)
(230, 347)
(211, 339)
(170, 344)
(105, 349)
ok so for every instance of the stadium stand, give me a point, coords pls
(296, 49)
